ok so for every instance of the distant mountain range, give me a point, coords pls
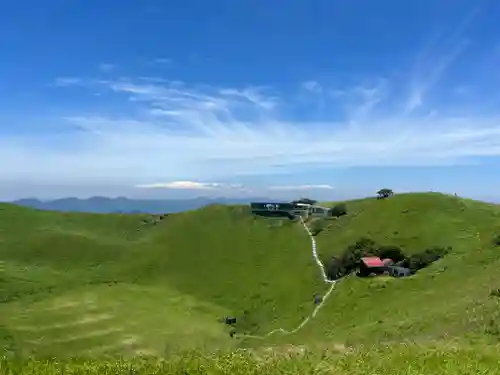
(126, 205)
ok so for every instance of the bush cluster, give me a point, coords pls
(349, 259)
(496, 240)
(421, 260)
(338, 210)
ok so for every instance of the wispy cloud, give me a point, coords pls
(198, 185)
(300, 187)
(435, 60)
(162, 130)
(174, 131)
(190, 185)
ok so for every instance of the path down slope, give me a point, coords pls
(324, 297)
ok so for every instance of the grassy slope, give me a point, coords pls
(112, 288)
(196, 266)
(448, 299)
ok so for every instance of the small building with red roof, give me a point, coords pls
(369, 265)
(388, 262)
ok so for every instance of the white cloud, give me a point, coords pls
(197, 185)
(172, 131)
(430, 67)
(182, 132)
(252, 95)
(189, 185)
(300, 187)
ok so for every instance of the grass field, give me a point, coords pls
(383, 360)
(99, 287)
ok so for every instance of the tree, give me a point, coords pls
(391, 252)
(366, 244)
(338, 210)
(421, 260)
(334, 269)
(353, 253)
(384, 193)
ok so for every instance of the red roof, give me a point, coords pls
(372, 262)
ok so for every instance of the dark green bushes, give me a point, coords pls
(421, 260)
(350, 258)
(391, 252)
(384, 193)
(496, 240)
(338, 210)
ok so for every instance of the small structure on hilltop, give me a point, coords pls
(273, 209)
(371, 265)
(388, 262)
(397, 271)
(376, 266)
(290, 210)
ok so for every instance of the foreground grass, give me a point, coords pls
(399, 359)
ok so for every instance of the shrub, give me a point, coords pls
(495, 293)
(338, 210)
(334, 269)
(496, 240)
(353, 253)
(392, 252)
(366, 244)
(384, 193)
(349, 260)
(420, 260)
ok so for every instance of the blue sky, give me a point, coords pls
(324, 98)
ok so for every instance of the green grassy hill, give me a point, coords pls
(450, 298)
(78, 283)
(107, 285)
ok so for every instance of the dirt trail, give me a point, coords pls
(317, 308)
